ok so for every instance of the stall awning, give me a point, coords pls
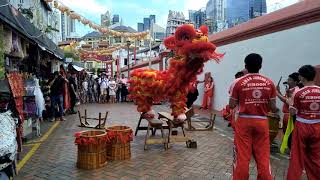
(18, 22)
(77, 68)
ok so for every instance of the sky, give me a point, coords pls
(133, 11)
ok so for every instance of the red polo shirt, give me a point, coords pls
(253, 92)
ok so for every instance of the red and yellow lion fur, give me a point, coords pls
(191, 50)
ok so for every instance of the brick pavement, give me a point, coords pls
(56, 157)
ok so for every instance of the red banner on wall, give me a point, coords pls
(109, 69)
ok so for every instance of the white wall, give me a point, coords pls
(283, 53)
(156, 66)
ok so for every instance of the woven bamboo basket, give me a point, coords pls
(273, 126)
(92, 156)
(116, 149)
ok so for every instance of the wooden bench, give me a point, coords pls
(101, 123)
(169, 119)
(155, 124)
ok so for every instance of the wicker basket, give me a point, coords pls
(92, 156)
(273, 127)
(116, 148)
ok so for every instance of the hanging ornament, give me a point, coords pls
(85, 21)
(55, 4)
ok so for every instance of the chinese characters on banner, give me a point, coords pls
(109, 69)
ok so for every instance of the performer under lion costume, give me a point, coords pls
(191, 50)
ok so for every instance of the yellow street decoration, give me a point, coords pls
(289, 130)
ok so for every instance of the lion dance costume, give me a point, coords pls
(191, 50)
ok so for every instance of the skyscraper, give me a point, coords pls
(63, 27)
(239, 11)
(257, 8)
(216, 15)
(175, 19)
(68, 27)
(106, 19)
(199, 18)
(115, 19)
(192, 18)
(140, 27)
(146, 22)
(152, 19)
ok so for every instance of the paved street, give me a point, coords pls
(56, 157)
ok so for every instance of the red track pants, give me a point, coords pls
(207, 100)
(305, 151)
(251, 137)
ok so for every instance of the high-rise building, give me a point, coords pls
(200, 18)
(257, 8)
(140, 27)
(68, 27)
(152, 19)
(71, 26)
(192, 18)
(146, 22)
(115, 19)
(106, 19)
(216, 15)
(215, 9)
(63, 27)
(157, 32)
(239, 11)
(175, 19)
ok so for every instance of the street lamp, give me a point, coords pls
(128, 46)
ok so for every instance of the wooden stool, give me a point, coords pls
(172, 124)
(139, 127)
(155, 124)
(209, 127)
(101, 125)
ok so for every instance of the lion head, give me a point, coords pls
(192, 43)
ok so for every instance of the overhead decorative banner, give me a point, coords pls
(73, 15)
(94, 56)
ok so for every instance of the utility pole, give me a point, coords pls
(151, 33)
(128, 61)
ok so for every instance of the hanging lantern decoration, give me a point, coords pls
(84, 21)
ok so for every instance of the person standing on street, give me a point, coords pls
(305, 148)
(73, 92)
(208, 94)
(103, 81)
(56, 89)
(112, 90)
(124, 88)
(255, 95)
(292, 83)
(193, 94)
(118, 91)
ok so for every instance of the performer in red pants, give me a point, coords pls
(255, 95)
(208, 94)
(292, 83)
(305, 150)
